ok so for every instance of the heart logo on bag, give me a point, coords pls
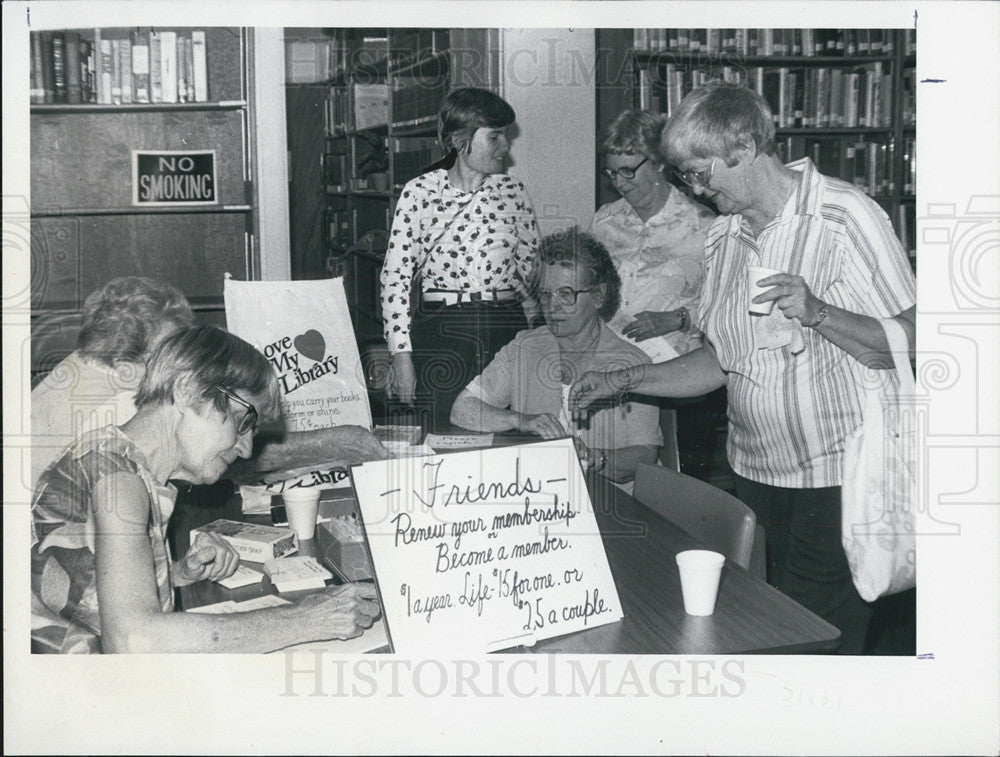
(311, 344)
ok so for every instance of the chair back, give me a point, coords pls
(715, 518)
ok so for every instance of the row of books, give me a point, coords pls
(115, 67)
(821, 97)
(805, 42)
(868, 164)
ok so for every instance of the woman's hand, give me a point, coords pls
(593, 386)
(650, 323)
(402, 378)
(341, 612)
(791, 294)
(209, 557)
(546, 425)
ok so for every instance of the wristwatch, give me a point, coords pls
(685, 319)
(821, 315)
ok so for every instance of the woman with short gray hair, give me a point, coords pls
(102, 578)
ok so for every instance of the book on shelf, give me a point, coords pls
(182, 70)
(115, 66)
(125, 64)
(74, 85)
(104, 66)
(140, 66)
(199, 74)
(168, 66)
(155, 68)
(118, 66)
(770, 42)
(188, 48)
(58, 67)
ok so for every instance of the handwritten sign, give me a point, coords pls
(304, 330)
(168, 178)
(485, 549)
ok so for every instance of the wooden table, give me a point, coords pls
(750, 616)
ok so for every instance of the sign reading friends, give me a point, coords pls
(483, 550)
(303, 328)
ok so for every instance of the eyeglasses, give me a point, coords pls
(564, 295)
(697, 178)
(249, 420)
(625, 172)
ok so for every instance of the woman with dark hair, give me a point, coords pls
(526, 385)
(102, 578)
(466, 232)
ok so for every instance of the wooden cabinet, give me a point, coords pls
(86, 224)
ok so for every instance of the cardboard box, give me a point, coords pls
(252, 542)
(348, 557)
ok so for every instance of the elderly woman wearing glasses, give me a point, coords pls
(526, 385)
(656, 238)
(102, 578)
(795, 377)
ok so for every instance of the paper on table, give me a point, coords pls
(229, 606)
(458, 441)
(261, 603)
(296, 572)
(218, 608)
(371, 639)
(401, 449)
(243, 576)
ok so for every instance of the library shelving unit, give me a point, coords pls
(378, 129)
(100, 95)
(843, 97)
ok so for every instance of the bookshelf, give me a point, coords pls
(362, 110)
(844, 97)
(146, 174)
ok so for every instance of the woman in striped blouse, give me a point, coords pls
(794, 378)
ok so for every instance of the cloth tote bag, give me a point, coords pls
(879, 489)
(304, 330)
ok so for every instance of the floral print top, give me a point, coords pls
(64, 611)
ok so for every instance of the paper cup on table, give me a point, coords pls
(302, 508)
(755, 274)
(700, 571)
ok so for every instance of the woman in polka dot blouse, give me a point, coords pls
(461, 253)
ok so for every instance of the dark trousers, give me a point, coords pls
(451, 346)
(805, 557)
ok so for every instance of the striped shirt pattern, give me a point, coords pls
(789, 414)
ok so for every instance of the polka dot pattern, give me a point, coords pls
(479, 241)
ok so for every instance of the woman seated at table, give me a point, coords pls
(102, 579)
(524, 387)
